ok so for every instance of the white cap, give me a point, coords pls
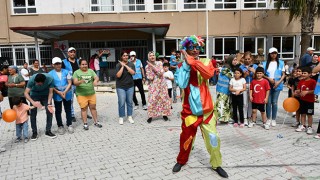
(132, 53)
(56, 60)
(71, 49)
(273, 49)
(310, 49)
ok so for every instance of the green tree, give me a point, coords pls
(305, 10)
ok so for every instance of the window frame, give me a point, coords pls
(313, 44)
(223, 5)
(25, 7)
(257, 2)
(135, 6)
(163, 4)
(256, 43)
(223, 46)
(99, 5)
(197, 5)
(280, 53)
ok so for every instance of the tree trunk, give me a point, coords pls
(307, 26)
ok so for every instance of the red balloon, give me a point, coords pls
(9, 115)
(291, 104)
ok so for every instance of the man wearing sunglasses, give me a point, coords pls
(198, 109)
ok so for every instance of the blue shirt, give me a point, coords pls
(306, 59)
(173, 60)
(245, 69)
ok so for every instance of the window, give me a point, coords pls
(169, 46)
(24, 7)
(102, 5)
(194, 4)
(225, 4)
(133, 5)
(252, 44)
(159, 46)
(165, 5)
(224, 46)
(255, 4)
(285, 46)
(316, 43)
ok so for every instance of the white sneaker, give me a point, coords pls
(121, 121)
(136, 107)
(130, 119)
(2, 149)
(251, 124)
(273, 123)
(310, 130)
(145, 107)
(268, 122)
(70, 129)
(61, 130)
(295, 124)
(317, 136)
(246, 122)
(266, 126)
(301, 128)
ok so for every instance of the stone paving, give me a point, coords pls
(148, 151)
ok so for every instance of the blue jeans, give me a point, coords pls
(125, 96)
(73, 89)
(273, 101)
(44, 101)
(67, 109)
(98, 73)
(20, 127)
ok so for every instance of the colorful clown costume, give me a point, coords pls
(198, 110)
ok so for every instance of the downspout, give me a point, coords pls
(8, 29)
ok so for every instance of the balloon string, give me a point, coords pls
(284, 120)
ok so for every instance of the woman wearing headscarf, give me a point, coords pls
(16, 85)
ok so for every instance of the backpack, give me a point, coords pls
(91, 64)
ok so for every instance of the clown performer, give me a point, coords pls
(193, 78)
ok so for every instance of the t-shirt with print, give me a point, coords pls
(259, 90)
(307, 85)
(22, 113)
(86, 88)
(40, 90)
(168, 74)
(273, 66)
(15, 91)
(237, 84)
(126, 79)
(103, 60)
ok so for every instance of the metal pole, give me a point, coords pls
(153, 42)
(37, 48)
(207, 32)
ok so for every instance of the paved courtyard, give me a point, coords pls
(148, 151)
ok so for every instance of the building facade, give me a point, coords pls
(227, 25)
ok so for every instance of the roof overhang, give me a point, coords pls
(57, 31)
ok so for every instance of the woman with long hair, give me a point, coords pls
(159, 103)
(124, 86)
(275, 74)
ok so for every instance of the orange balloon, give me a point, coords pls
(291, 104)
(9, 115)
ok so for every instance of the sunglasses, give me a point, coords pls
(192, 47)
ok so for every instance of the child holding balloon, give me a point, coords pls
(293, 83)
(22, 118)
(305, 89)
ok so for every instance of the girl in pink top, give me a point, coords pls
(22, 118)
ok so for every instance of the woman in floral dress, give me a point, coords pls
(159, 103)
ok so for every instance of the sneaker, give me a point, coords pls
(316, 136)
(2, 149)
(268, 122)
(246, 122)
(301, 128)
(310, 130)
(130, 119)
(251, 124)
(34, 136)
(121, 121)
(74, 119)
(17, 140)
(149, 120)
(97, 124)
(136, 107)
(89, 117)
(295, 124)
(273, 123)
(165, 118)
(26, 140)
(85, 127)
(145, 107)
(241, 125)
(50, 135)
(177, 167)
(61, 130)
(266, 126)
(70, 129)
(235, 124)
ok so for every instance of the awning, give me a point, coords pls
(57, 31)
